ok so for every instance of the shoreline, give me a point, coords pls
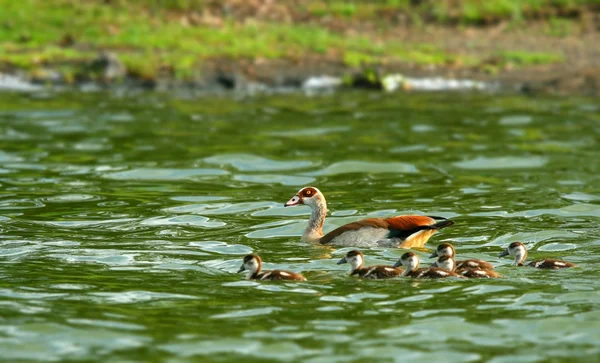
(249, 76)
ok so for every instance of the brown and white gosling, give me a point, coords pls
(446, 251)
(253, 264)
(411, 261)
(356, 260)
(519, 252)
(472, 273)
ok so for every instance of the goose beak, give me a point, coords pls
(343, 260)
(397, 264)
(294, 201)
(504, 253)
(433, 255)
(241, 269)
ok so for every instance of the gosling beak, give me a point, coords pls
(241, 269)
(294, 201)
(504, 253)
(433, 255)
(397, 264)
(343, 260)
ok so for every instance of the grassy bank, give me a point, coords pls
(178, 35)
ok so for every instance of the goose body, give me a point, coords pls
(253, 264)
(356, 259)
(411, 261)
(519, 252)
(446, 254)
(400, 231)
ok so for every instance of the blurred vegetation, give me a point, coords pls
(150, 35)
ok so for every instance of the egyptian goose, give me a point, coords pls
(401, 231)
(519, 252)
(448, 263)
(411, 261)
(253, 264)
(356, 260)
(446, 254)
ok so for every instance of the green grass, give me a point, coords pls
(150, 34)
(463, 11)
(531, 58)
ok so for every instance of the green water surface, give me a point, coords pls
(124, 218)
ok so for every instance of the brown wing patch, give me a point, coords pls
(407, 223)
(281, 275)
(369, 222)
(434, 273)
(478, 273)
(551, 264)
(476, 264)
(384, 272)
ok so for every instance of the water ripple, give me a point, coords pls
(249, 162)
(505, 162)
(348, 167)
(163, 174)
(183, 220)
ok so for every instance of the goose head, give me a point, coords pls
(309, 196)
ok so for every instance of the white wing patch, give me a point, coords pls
(472, 264)
(539, 263)
(442, 273)
(480, 272)
(266, 275)
(390, 269)
(283, 273)
(558, 263)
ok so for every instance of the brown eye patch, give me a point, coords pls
(309, 192)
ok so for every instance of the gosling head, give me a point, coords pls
(252, 263)
(446, 262)
(410, 260)
(445, 249)
(516, 250)
(355, 258)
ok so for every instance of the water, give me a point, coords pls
(124, 218)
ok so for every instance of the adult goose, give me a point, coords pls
(401, 231)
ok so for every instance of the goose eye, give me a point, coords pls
(308, 192)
